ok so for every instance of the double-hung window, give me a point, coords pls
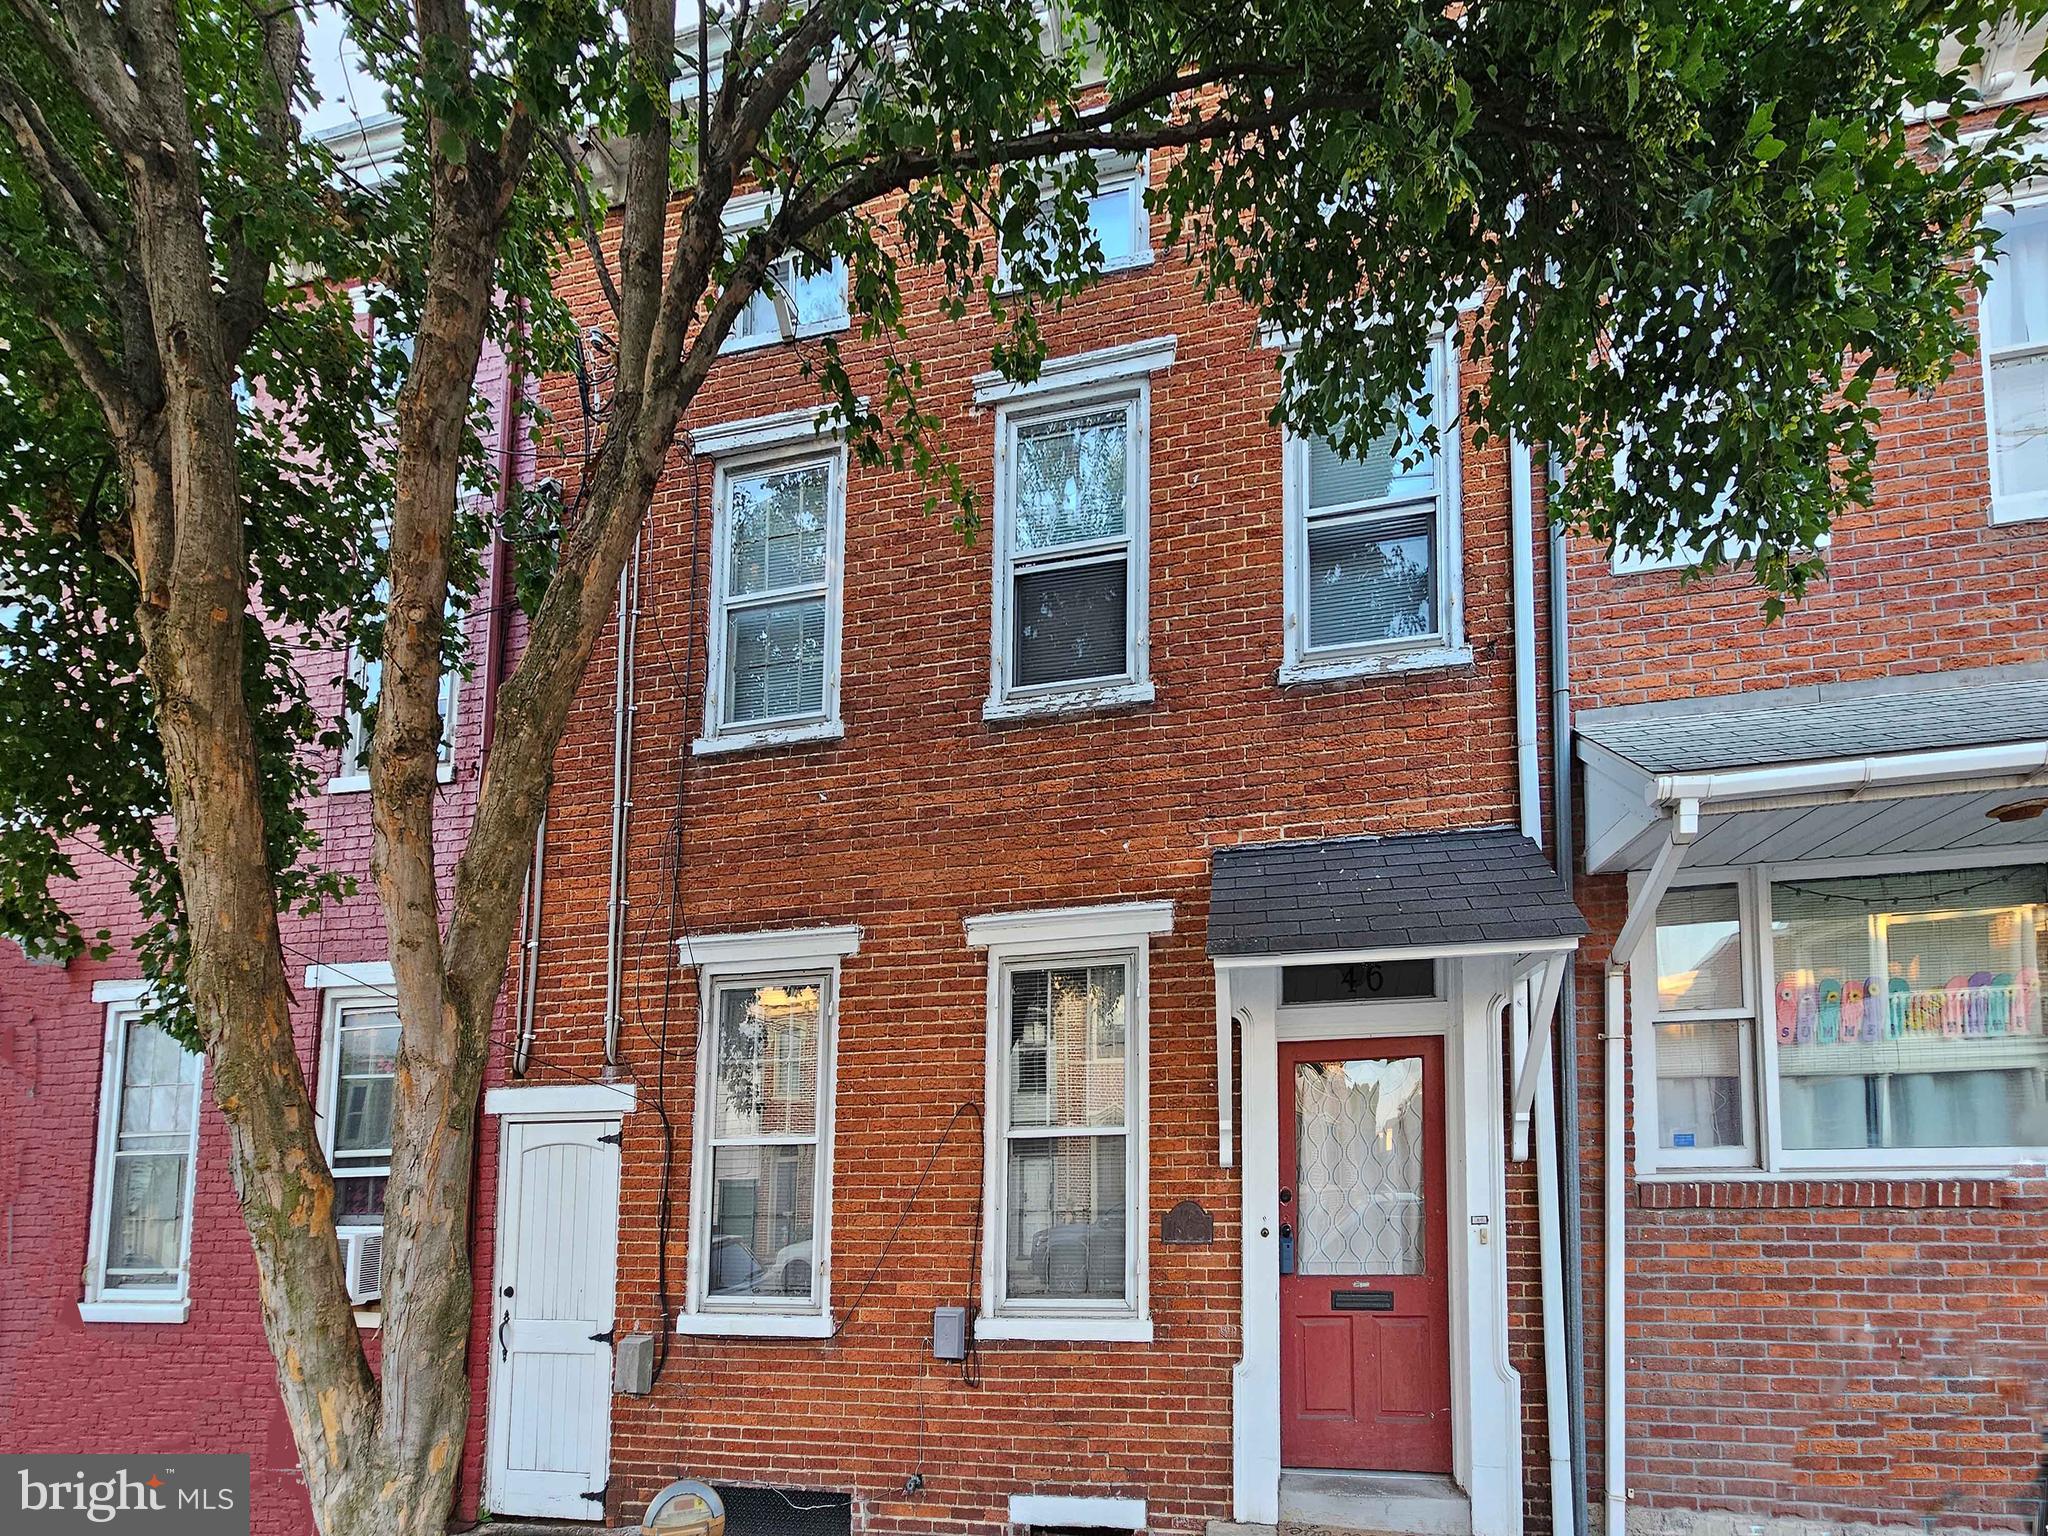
(1118, 225)
(799, 299)
(1067, 1122)
(142, 1180)
(2015, 327)
(761, 1189)
(1374, 548)
(366, 672)
(1705, 1032)
(776, 548)
(359, 1076)
(1854, 1016)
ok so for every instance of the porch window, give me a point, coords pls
(1705, 1034)
(2014, 318)
(142, 1180)
(1901, 1019)
(1908, 1010)
(1067, 1097)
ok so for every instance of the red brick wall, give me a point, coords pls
(923, 815)
(1838, 1356)
(207, 1384)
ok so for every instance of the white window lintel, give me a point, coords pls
(791, 947)
(806, 425)
(351, 976)
(1083, 370)
(1119, 922)
(122, 991)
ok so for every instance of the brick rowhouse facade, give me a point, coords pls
(1864, 1343)
(207, 1383)
(924, 814)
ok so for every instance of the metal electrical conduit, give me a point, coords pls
(625, 706)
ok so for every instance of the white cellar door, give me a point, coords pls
(551, 1323)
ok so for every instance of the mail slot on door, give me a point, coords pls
(1361, 1301)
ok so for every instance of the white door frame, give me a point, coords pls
(594, 1103)
(1486, 1396)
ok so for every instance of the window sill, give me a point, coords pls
(135, 1311)
(1007, 286)
(1063, 1330)
(2031, 508)
(1078, 701)
(768, 736)
(765, 1325)
(775, 338)
(369, 1319)
(359, 783)
(1379, 664)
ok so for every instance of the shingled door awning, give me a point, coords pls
(1427, 895)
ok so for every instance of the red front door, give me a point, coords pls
(1365, 1361)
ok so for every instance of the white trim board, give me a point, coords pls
(806, 425)
(529, 1100)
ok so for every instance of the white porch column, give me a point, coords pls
(1255, 1385)
(1491, 1414)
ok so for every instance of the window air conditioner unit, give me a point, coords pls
(362, 1262)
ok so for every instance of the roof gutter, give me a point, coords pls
(1851, 775)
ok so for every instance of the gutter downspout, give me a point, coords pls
(1560, 1432)
(624, 707)
(1635, 927)
(1567, 1145)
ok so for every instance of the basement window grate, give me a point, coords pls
(785, 1511)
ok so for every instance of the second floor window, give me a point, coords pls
(1071, 549)
(774, 594)
(2015, 324)
(1373, 541)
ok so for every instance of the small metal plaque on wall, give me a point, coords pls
(1188, 1224)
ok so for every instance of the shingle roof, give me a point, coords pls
(1983, 706)
(1430, 890)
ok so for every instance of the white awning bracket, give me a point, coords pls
(1539, 980)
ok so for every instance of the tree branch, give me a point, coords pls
(67, 193)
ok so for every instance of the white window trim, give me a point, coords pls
(1643, 982)
(1106, 380)
(1113, 173)
(1380, 657)
(2032, 507)
(1059, 935)
(747, 212)
(787, 438)
(1653, 1163)
(344, 988)
(123, 1001)
(721, 960)
(356, 781)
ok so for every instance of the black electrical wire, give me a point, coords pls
(665, 1201)
(969, 1106)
